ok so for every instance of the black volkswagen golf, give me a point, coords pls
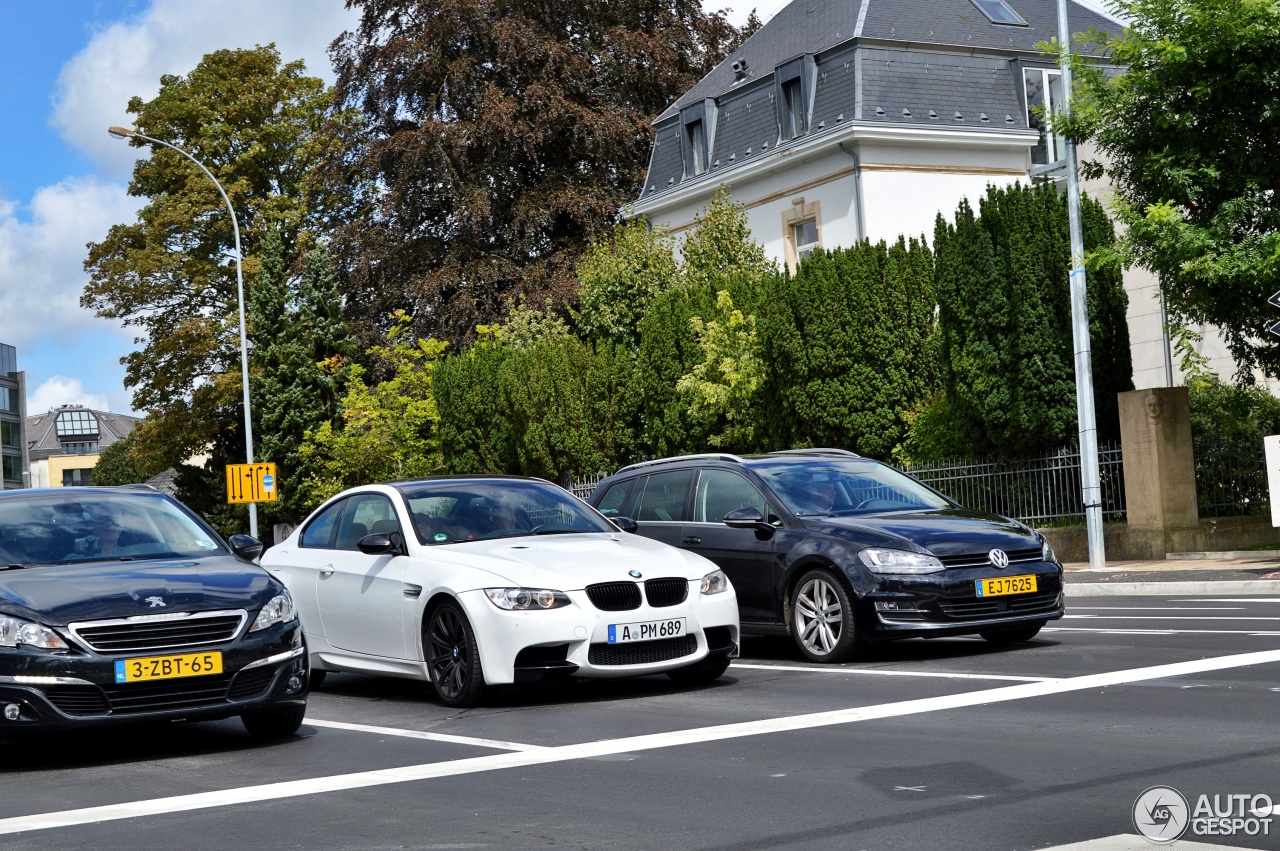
(119, 604)
(839, 551)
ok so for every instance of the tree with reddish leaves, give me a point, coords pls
(499, 137)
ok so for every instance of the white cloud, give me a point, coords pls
(127, 58)
(61, 390)
(41, 260)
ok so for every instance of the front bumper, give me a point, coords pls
(573, 640)
(79, 690)
(945, 603)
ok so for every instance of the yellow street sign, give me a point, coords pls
(251, 483)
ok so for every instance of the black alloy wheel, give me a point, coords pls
(1013, 635)
(453, 659)
(273, 723)
(822, 620)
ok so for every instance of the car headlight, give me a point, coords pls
(15, 632)
(715, 582)
(525, 599)
(880, 560)
(1047, 554)
(279, 609)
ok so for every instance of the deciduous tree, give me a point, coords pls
(1188, 138)
(254, 121)
(502, 136)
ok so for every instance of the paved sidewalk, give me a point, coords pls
(1252, 575)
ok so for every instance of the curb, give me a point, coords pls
(1159, 589)
(1254, 555)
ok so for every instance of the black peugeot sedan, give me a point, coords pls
(120, 604)
(841, 551)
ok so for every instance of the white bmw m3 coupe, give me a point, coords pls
(485, 580)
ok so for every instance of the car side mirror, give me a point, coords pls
(625, 524)
(749, 518)
(382, 543)
(245, 546)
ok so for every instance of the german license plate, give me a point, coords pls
(1005, 585)
(168, 667)
(624, 633)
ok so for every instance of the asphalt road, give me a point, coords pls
(946, 744)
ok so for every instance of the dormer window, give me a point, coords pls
(697, 147)
(1000, 12)
(793, 106)
(1044, 95)
(697, 136)
(794, 84)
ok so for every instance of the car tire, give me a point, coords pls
(273, 723)
(316, 680)
(453, 659)
(708, 670)
(822, 618)
(1013, 635)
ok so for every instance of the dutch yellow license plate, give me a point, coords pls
(168, 667)
(1005, 585)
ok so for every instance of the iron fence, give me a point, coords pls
(1231, 479)
(582, 486)
(1044, 490)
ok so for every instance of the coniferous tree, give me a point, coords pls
(848, 347)
(1005, 323)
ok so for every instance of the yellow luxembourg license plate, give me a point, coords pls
(1005, 585)
(168, 667)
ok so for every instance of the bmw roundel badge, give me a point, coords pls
(634, 574)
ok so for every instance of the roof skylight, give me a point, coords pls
(999, 12)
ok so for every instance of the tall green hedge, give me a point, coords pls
(847, 347)
(1005, 340)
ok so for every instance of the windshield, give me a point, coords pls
(451, 512)
(92, 526)
(840, 487)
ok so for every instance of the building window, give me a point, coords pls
(75, 478)
(78, 423)
(801, 231)
(1044, 95)
(1000, 12)
(697, 146)
(9, 434)
(8, 400)
(80, 448)
(793, 104)
(805, 235)
(12, 468)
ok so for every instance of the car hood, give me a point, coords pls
(943, 532)
(60, 594)
(572, 562)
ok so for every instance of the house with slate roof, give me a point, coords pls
(848, 119)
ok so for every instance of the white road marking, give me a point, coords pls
(1158, 608)
(1130, 842)
(586, 750)
(1174, 617)
(884, 673)
(1118, 631)
(1241, 600)
(431, 737)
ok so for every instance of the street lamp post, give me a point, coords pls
(126, 133)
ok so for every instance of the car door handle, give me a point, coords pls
(691, 541)
(326, 570)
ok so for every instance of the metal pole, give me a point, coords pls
(1164, 330)
(244, 346)
(1090, 478)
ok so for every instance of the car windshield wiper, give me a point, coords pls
(562, 531)
(15, 567)
(817, 514)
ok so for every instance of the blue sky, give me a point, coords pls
(69, 69)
